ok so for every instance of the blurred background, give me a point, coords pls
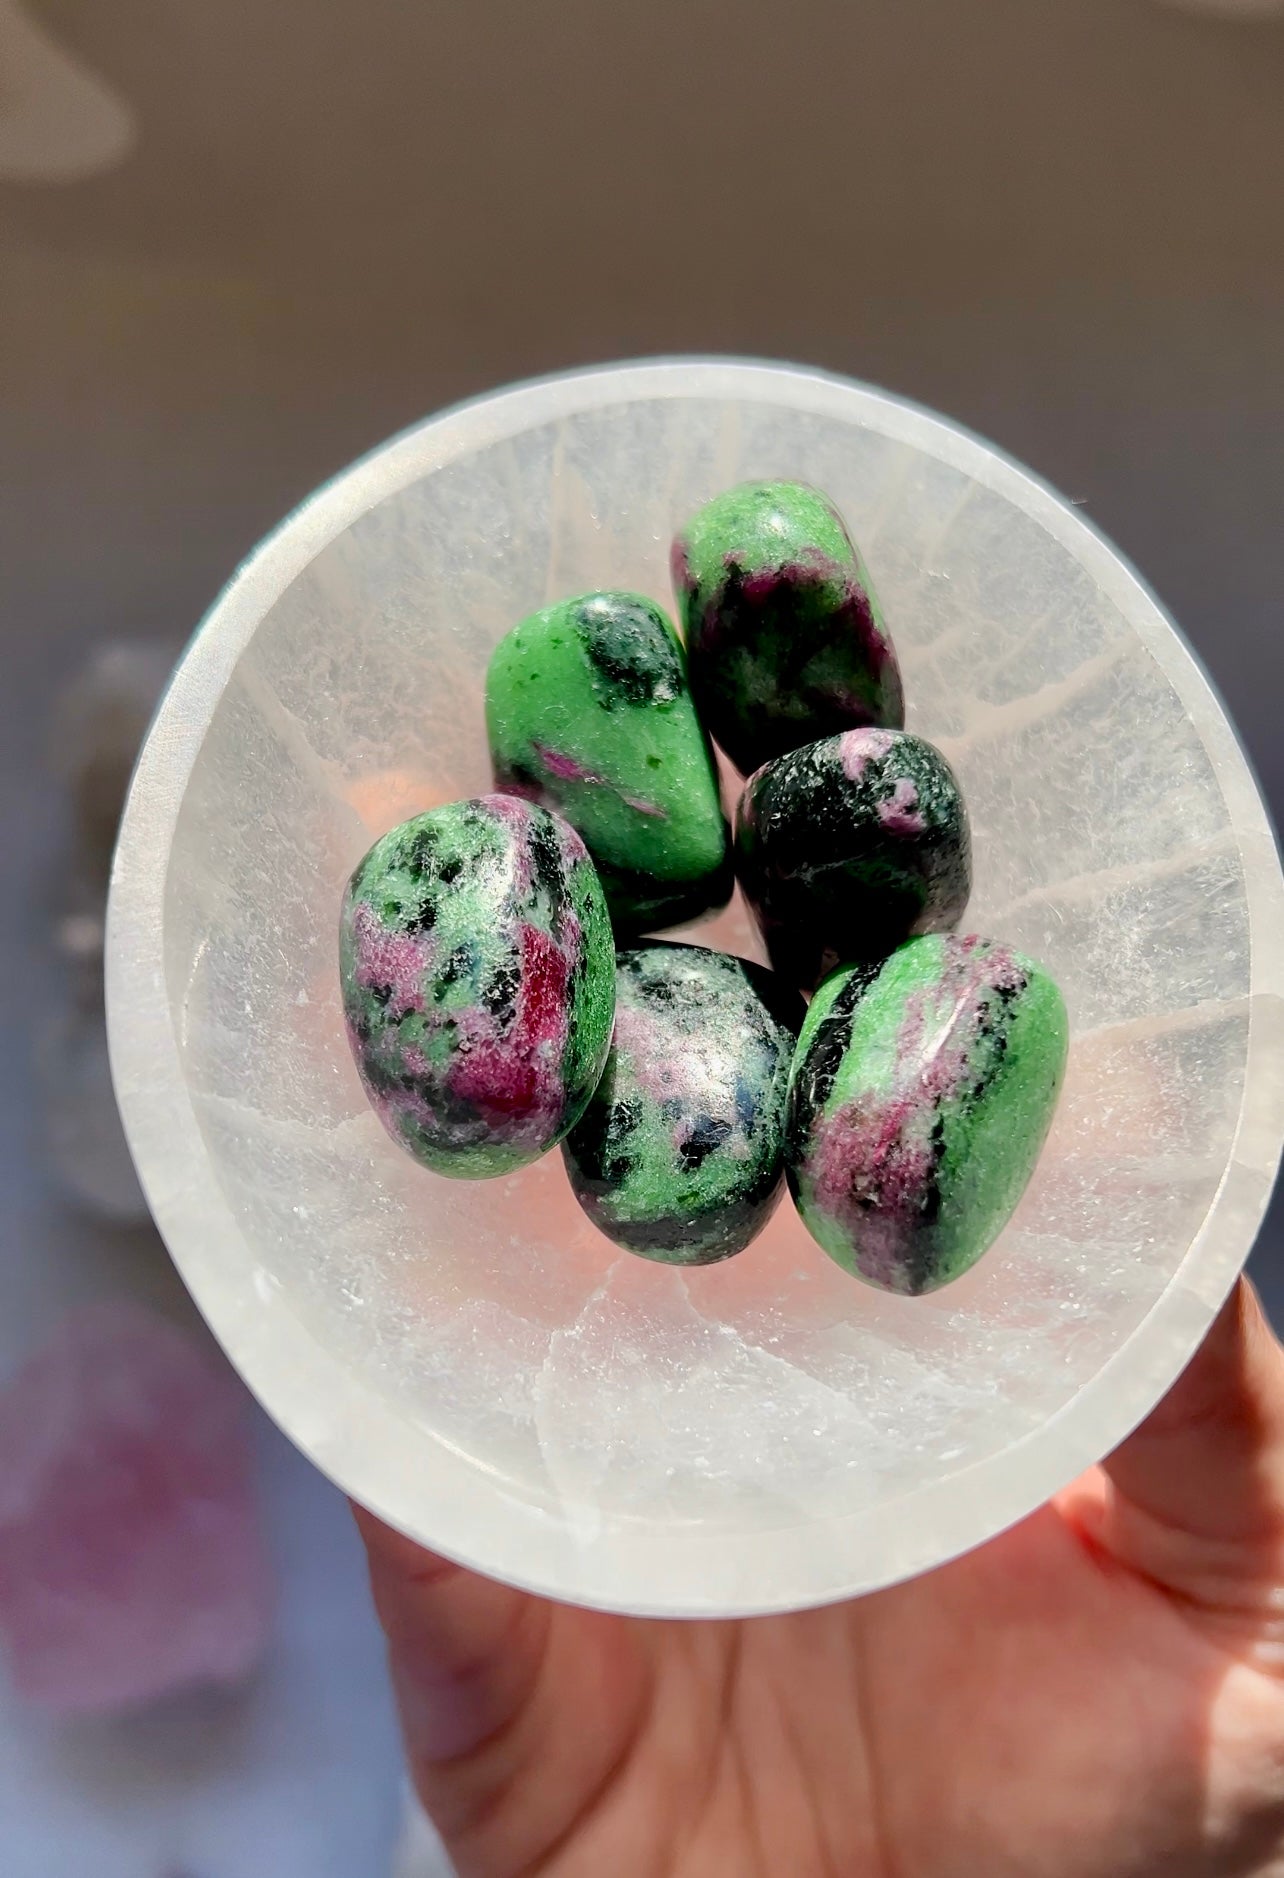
(239, 244)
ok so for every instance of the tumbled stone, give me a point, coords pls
(921, 1093)
(131, 1558)
(850, 845)
(477, 971)
(678, 1155)
(785, 637)
(589, 712)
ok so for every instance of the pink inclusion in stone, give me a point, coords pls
(131, 1558)
(567, 769)
(898, 812)
(515, 1079)
(395, 959)
(858, 747)
(760, 585)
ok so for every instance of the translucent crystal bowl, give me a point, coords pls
(472, 1360)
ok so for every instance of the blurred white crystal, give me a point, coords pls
(83, 1139)
(99, 721)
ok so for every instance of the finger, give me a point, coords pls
(465, 1652)
(1195, 1496)
(517, 1713)
(1208, 1462)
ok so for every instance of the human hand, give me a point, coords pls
(1098, 1693)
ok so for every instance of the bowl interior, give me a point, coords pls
(474, 1359)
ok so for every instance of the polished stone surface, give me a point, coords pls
(477, 972)
(785, 636)
(847, 846)
(921, 1093)
(589, 712)
(678, 1154)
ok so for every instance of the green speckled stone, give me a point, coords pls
(678, 1155)
(921, 1093)
(589, 712)
(785, 637)
(478, 976)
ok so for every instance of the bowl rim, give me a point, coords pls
(370, 1449)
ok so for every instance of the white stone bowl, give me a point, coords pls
(472, 1360)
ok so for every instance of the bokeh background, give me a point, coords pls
(240, 243)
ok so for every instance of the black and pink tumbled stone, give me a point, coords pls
(849, 846)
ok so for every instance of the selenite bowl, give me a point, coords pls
(471, 1359)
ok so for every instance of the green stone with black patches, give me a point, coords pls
(678, 1154)
(786, 640)
(589, 712)
(921, 1093)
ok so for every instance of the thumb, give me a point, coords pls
(516, 1712)
(1195, 1497)
(464, 1652)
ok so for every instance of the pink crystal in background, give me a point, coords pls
(131, 1557)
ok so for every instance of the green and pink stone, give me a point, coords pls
(678, 1155)
(784, 633)
(921, 1093)
(478, 979)
(589, 712)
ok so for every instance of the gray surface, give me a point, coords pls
(1059, 223)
